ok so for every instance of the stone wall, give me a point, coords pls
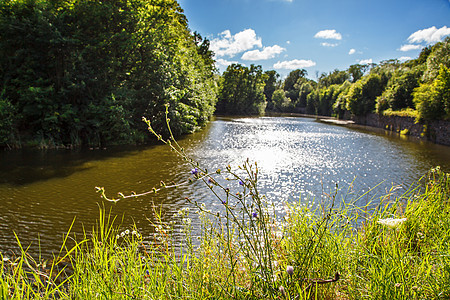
(435, 131)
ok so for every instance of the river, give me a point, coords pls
(43, 192)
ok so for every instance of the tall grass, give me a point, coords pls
(398, 249)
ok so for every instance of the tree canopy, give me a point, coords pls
(86, 72)
(241, 90)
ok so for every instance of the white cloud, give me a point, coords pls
(429, 35)
(224, 63)
(227, 44)
(328, 34)
(404, 58)
(365, 61)
(352, 51)
(329, 45)
(294, 64)
(409, 47)
(266, 53)
(288, 42)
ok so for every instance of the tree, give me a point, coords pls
(60, 61)
(440, 55)
(241, 90)
(335, 77)
(362, 94)
(399, 91)
(291, 86)
(433, 99)
(357, 71)
(271, 84)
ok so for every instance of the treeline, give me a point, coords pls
(85, 72)
(418, 87)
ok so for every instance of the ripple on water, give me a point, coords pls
(42, 192)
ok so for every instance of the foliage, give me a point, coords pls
(407, 112)
(7, 121)
(280, 102)
(271, 84)
(361, 96)
(399, 91)
(291, 83)
(433, 99)
(440, 55)
(73, 69)
(336, 77)
(357, 71)
(241, 91)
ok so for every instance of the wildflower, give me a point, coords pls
(282, 290)
(117, 236)
(391, 222)
(210, 180)
(397, 285)
(127, 232)
(255, 214)
(194, 171)
(224, 202)
(241, 182)
(122, 234)
(290, 270)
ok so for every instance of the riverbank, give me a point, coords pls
(334, 252)
(435, 131)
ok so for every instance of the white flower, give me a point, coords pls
(290, 270)
(127, 231)
(391, 222)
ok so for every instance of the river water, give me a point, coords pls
(43, 192)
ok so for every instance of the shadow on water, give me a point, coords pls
(26, 166)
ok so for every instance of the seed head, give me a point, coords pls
(290, 270)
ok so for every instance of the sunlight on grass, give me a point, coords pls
(398, 249)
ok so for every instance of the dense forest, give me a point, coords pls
(84, 73)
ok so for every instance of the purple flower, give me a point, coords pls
(224, 202)
(194, 171)
(241, 182)
(255, 214)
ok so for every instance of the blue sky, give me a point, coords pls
(318, 35)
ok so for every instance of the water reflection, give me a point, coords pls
(42, 192)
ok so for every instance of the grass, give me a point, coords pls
(340, 252)
(398, 249)
(407, 112)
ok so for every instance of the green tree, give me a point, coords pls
(291, 83)
(433, 99)
(271, 84)
(362, 94)
(335, 77)
(62, 60)
(399, 91)
(241, 90)
(440, 55)
(357, 71)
